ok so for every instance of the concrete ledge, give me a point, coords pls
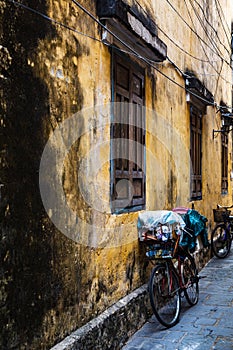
(202, 256)
(113, 327)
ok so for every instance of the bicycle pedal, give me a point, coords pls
(199, 277)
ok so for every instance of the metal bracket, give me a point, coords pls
(217, 131)
(221, 131)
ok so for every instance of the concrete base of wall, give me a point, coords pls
(114, 326)
(202, 257)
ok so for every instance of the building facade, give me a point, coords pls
(108, 108)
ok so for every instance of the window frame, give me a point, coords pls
(224, 163)
(137, 203)
(196, 133)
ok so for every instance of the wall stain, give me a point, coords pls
(40, 276)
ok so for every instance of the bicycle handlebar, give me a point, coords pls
(224, 206)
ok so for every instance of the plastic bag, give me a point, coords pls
(152, 220)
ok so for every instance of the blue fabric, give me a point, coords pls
(195, 225)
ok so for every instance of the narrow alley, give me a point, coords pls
(205, 326)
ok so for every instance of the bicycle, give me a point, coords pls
(168, 283)
(222, 234)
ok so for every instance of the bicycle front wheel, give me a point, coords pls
(165, 295)
(190, 280)
(221, 241)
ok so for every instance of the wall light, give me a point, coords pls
(227, 123)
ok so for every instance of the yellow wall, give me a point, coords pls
(101, 261)
(113, 264)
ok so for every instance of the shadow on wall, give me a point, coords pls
(30, 286)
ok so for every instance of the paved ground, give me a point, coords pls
(207, 325)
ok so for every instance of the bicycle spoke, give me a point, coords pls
(190, 280)
(164, 295)
(221, 241)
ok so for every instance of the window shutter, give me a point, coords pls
(224, 161)
(129, 135)
(196, 152)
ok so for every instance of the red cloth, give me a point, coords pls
(180, 210)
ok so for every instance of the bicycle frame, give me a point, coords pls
(222, 233)
(229, 225)
(168, 281)
(228, 221)
(177, 270)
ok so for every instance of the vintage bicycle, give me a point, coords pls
(175, 273)
(222, 234)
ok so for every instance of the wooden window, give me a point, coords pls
(127, 136)
(196, 152)
(224, 162)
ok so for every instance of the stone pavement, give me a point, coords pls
(207, 325)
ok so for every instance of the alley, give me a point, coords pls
(207, 325)
(109, 110)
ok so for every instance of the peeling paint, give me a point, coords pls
(51, 285)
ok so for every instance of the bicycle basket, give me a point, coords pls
(159, 250)
(221, 214)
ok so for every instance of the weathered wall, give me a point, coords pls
(200, 45)
(51, 284)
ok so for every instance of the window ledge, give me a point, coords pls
(192, 84)
(132, 28)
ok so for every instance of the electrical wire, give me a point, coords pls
(197, 58)
(177, 68)
(200, 38)
(206, 32)
(139, 56)
(131, 52)
(180, 48)
(191, 19)
(162, 31)
(213, 28)
(218, 4)
(207, 21)
(219, 73)
(204, 28)
(17, 4)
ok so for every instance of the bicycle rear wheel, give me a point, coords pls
(221, 241)
(190, 280)
(164, 295)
